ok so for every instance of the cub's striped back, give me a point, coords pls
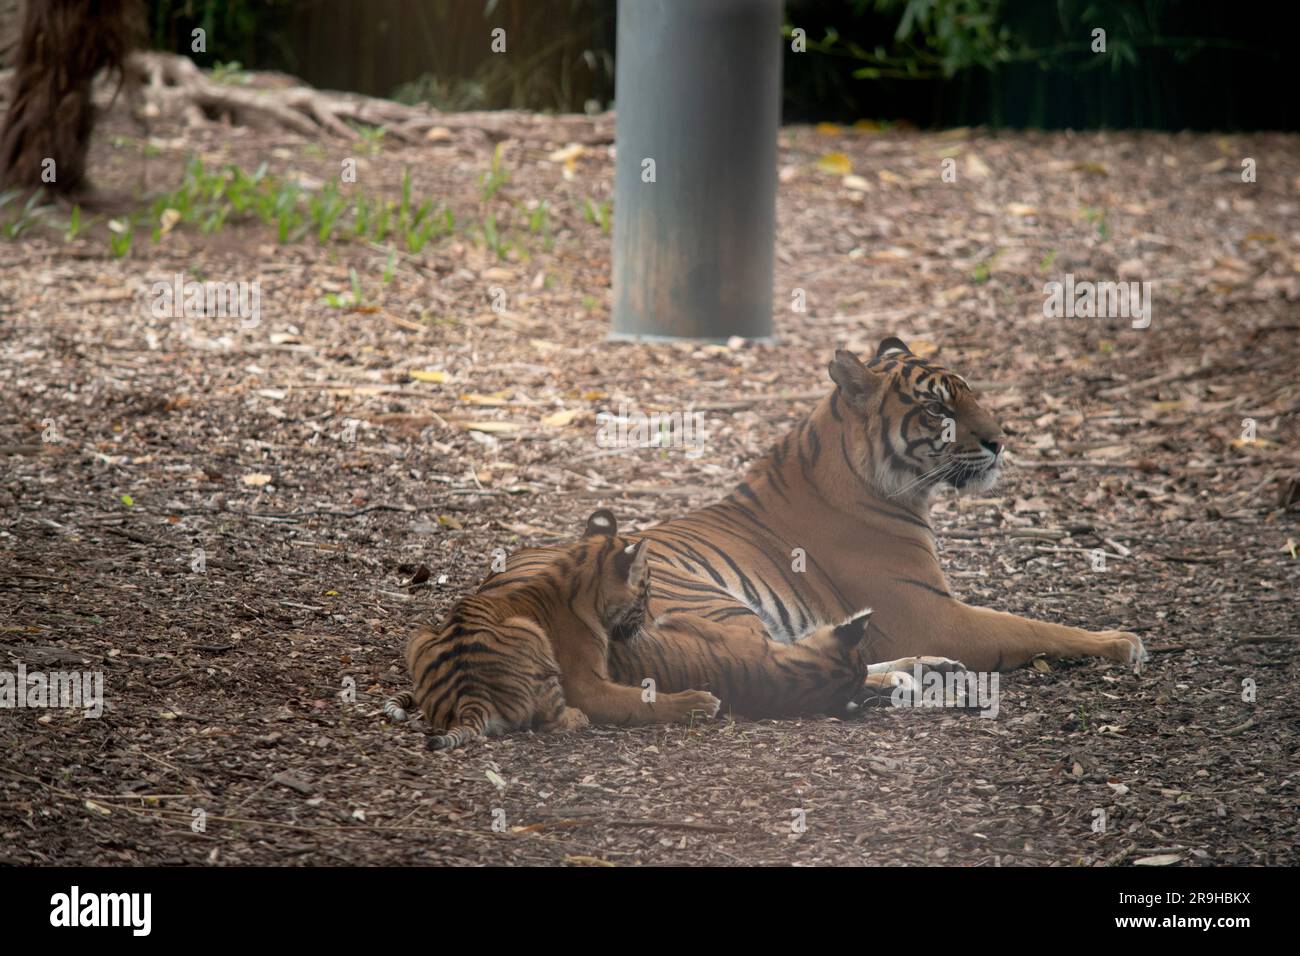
(492, 665)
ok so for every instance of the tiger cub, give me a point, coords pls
(495, 662)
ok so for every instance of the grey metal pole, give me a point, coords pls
(698, 102)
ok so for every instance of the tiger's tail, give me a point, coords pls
(471, 723)
(398, 709)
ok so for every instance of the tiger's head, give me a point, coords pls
(621, 590)
(922, 425)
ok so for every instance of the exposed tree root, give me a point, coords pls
(174, 85)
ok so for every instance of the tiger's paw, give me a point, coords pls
(927, 665)
(878, 689)
(689, 703)
(1126, 647)
(903, 676)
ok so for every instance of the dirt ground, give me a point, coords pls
(317, 474)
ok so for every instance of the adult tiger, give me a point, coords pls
(849, 489)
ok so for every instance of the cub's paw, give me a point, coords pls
(569, 720)
(1126, 648)
(692, 702)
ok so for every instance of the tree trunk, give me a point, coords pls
(62, 45)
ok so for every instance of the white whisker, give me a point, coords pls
(939, 472)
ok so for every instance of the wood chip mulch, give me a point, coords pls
(317, 475)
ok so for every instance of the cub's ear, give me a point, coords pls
(852, 631)
(630, 563)
(892, 344)
(601, 522)
(852, 377)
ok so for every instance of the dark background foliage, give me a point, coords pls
(1169, 64)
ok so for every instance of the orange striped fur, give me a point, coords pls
(835, 517)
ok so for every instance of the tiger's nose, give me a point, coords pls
(993, 446)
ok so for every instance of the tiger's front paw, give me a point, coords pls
(918, 665)
(878, 689)
(1126, 647)
(687, 703)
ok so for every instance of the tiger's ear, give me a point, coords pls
(891, 344)
(601, 522)
(852, 631)
(630, 563)
(851, 376)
